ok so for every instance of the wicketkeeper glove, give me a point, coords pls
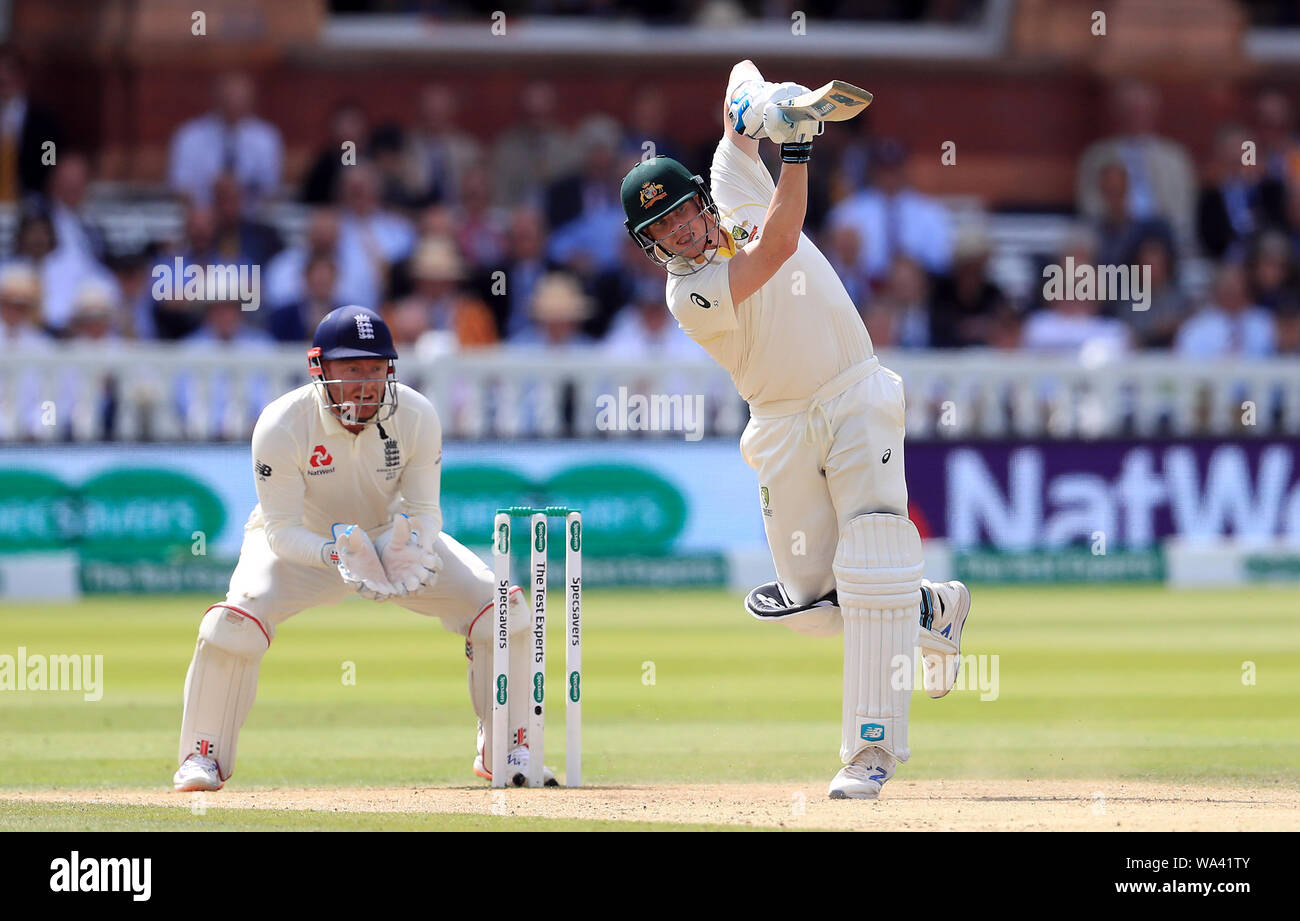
(354, 554)
(409, 563)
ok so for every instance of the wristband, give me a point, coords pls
(800, 152)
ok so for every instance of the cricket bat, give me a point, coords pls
(837, 101)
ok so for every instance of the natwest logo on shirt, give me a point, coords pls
(320, 457)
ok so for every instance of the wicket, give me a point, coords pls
(536, 733)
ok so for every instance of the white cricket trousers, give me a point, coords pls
(823, 462)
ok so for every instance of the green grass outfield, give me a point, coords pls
(1092, 681)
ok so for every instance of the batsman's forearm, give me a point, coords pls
(786, 213)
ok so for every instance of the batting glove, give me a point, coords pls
(747, 107)
(782, 130)
(358, 563)
(408, 563)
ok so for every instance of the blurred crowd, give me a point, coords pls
(682, 12)
(463, 242)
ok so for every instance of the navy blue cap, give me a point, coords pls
(353, 332)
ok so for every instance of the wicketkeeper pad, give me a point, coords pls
(221, 684)
(878, 565)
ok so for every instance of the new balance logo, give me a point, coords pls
(872, 732)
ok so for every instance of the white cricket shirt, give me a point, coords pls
(792, 335)
(311, 472)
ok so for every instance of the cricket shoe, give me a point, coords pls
(944, 608)
(517, 766)
(865, 776)
(199, 772)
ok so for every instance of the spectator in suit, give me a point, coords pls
(387, 143)
(1118, 229)
(229, 139)
(1230, 325)
(437, 155)
(240, 239)
(895, 220)
(1278, 147)
(371, 239)
(79, 252)
(66, 201)
(843, 250)
(647, 117)
(584, 210)
(177, 318)
(1169, 305)
(1273, 282)
(25, 129)
(1161, 178)
(525, 262)
(535, 151)
(966, 303)
(1236, 201)
(480, 227)
(614, 289)
(283, 280)
(297, 321)
(900, 315)
(348, 124)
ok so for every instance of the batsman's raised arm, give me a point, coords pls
(743, 73)
(754, 266)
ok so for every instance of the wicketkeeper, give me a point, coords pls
(347, 470)
(826, 420)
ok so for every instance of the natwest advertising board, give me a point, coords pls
(1045, 495)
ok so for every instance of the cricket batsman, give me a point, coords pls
(825, 434)
(347, 470)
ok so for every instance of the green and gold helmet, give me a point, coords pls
(651, 190)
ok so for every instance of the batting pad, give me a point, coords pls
(221, 684)
(479, 651)
(878, 565)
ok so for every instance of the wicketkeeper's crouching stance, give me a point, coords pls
(826, 420)
(348, 471)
